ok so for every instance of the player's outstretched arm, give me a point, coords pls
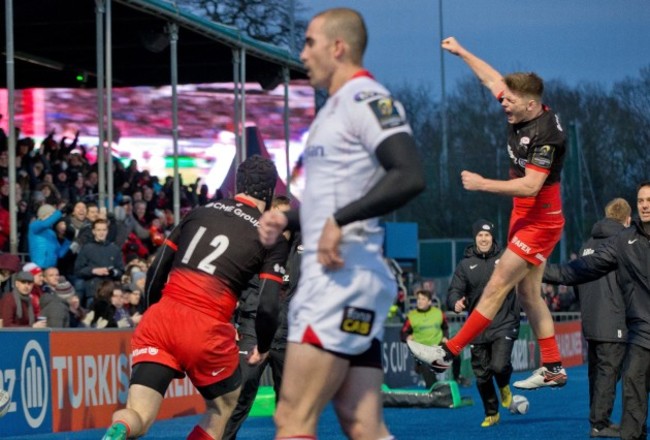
(490, 77)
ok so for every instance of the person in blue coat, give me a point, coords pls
(44, 247)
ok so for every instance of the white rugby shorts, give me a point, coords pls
(341, 311)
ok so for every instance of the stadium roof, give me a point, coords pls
(55, 46)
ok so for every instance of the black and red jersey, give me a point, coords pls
(216, 251)
(539, 144)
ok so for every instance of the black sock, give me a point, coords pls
(553, 367)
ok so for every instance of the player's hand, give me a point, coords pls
(451, 45)
(460, 305)
(328, 246)
(255, 357)
(272, 223)
(471, 181)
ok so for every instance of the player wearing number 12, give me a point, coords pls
(194, 284)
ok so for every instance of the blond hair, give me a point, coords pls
(619, 210)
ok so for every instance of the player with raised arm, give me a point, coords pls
(536, 148)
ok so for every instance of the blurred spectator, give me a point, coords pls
(77, 313)
(78, 217)
(102, 310)
(138, 280)
(44, 248)
(97, 260)
(132, 303)
(567, 299)
(50, 193)
(56, 310)
(120, 300)
(550, 296)
(37, 289)
(50, 279)
(9, 265)
(16, 307)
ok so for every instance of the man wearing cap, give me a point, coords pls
(491, 349)
(16, 308)
(35, 270)
(44, 247)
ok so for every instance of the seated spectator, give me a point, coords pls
(98, 260)
(37, 290)
(138, 280)
(9, 265)
(56, 310)
(77, 313)
(102, 310)
(120, 301)
(132, 303)
(16, 307)
(44, 247)
(35, 270)
(50, 279)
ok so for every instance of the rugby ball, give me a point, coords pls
(519, 404)
(5, 402)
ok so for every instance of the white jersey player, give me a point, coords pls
(361, 163)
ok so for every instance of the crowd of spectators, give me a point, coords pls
(84, 266)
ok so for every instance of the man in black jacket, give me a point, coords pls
(628, 253)
(603, 324)
(492, 349)
(246, 315)
(98, 260)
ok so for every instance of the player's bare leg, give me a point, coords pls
(217, 413)
(142, 406)
(551, 374)
(314, 376)
(359, 405)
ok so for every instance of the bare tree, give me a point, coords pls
(272, 21)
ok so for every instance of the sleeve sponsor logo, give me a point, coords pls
(543, 156)
(386, 113)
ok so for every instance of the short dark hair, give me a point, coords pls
(424, 292)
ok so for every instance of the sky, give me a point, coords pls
(575, 41)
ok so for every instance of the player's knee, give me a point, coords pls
(500, 366)
(351, 425)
